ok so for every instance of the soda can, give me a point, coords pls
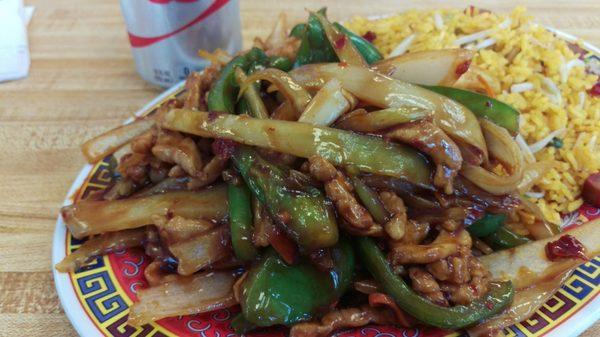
(165, 35)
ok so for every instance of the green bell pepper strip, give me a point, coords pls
(298, 30)
(483, 106)
(221, 98)
(301, 209)
(368, 153)
(240, 220)
(492, 231)
(251, 99)
(222, 95)
(487, 225)
(371, 201)
(280, 62)
(307, 54)
(504, 238)
(369, 52)
(315, 47)
(276, 293)
(451, 318)
(346, 52)
(316, 34)
(368, 197)
(242, 107)
(311, 221)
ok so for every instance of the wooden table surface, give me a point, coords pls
(83, 82)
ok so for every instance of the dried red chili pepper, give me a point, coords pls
(370, 36)
(595, 91)
(340, 42)
(567, 246)
(463, 67)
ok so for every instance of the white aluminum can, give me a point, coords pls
(165, 35)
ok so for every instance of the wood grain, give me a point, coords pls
(83, 82)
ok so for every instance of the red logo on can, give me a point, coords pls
(144, 41)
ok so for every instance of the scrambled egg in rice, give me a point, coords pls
(539, 75)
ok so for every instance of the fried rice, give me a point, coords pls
(545, 77)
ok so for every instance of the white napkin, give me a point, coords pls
(14, 48)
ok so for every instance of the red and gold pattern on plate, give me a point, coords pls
(108, 285)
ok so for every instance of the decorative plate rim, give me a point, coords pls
(77, 315)
(573, 325)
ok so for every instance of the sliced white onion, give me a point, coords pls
(200, 251)
(438, 21)
(485, 43)
(532, 174)
(510, 264)
(538, 43)
(403, 46)
(470, 46)
(184, 295)
(593, 65)
(520, 87)
(525, 303)
(535, 147)
(535, 195)
(521, 117)
(482, 34)
(327, 105)
(565, 68)
(581, 100)
(592, 143)
(527, 154)
(579, 139)
(503, 148)
(553, 90)
(431, 67)
(505, 24)
(472, 37)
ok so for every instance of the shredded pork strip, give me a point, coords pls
(144, 142)
(339, 190)
(210, 172)
(396, 227)
(426, 285)
(194, 99)
(172, 147)
(421, 254)
(462, 277)
(341, 319)
(433, 141)
(449, 274)
(134, 166)
(178, 228)
(123, 187)
(198, 84)
(278, 43)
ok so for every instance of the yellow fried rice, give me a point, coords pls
(543, 58)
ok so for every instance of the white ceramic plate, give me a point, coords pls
(96, 300)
